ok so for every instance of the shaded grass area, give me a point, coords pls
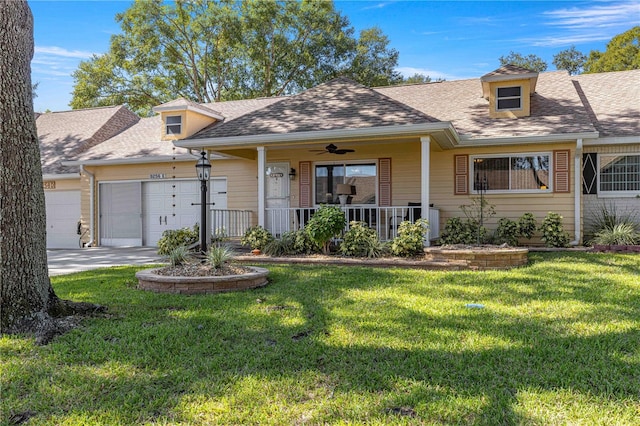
(558, 342)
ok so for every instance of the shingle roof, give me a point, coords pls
(338, 104)
(612, 100)
(555, 107)
(508, 70)
(64, 135)
(143, 138)
(182, 102)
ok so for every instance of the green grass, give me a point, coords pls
(558, 342)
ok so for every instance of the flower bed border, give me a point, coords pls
(616, 248)
(149, 280)
(481, 258)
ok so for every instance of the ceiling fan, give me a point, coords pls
(332, 149)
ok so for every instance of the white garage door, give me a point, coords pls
(63, 213)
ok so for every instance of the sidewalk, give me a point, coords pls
(66, 261)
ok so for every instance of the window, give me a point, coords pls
(619, 173)
(362, 178)
(174, 124)
(508, 98)
(522, 173)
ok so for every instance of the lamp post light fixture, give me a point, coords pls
(203, 166)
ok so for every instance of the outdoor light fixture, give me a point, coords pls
(203, 166)
(292, 173)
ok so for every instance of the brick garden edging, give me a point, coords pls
(149, 280)
(483, 258)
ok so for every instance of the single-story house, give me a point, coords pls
(531, 142)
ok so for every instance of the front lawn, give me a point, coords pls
(557, 342)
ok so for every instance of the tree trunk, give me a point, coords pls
(26, 296)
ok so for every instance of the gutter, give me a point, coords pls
(577, 187)
(92, 180)
(139, 160)
(467, 141)
(61, 176)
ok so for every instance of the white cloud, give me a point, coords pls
(60, 51)
(410, 71)
(377, 6)
(596, 16)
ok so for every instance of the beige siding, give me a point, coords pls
(62, 184)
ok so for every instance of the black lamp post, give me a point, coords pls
(204, 168)
(481, 186)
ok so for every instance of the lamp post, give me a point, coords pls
(204, 168)
(480, 185)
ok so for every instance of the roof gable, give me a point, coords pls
(338, 104)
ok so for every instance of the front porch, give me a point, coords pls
(384, 220)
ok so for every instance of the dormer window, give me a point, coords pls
(174, 124)
(508, 98)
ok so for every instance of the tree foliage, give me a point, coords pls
(210, 51)
(531, 62)
(622, 53)
(570, 59)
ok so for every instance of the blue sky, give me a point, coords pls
(446, 39)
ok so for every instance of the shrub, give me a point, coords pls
(361, 241)
(552, 233)
(620, 234)
(303, 243)
(457, 231)
(527, 225)
(410, 239)
(218, 255)
(606, 217)
(256, 237)
(325, 224)
(173, 238)
(282, 246)
(479, 208)
(507, 232)
(179, 256)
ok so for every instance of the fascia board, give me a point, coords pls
(61, 176)
(211, 114)
(613, 140)
(319, 135)
(467, 142)
(137, 160)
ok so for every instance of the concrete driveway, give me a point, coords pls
(66, 261)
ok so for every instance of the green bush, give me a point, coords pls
(620, 234)
(303, 243)
(605, 217)
(507, 232)
(527, 225)
(410, 239)
(291, 243)
(173, 238)
(256, 237)
(324, 225)
(218, 255)
(553, 234)
(457, 231)
(361, 241)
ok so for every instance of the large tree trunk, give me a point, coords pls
(26, 296)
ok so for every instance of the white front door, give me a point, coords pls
(277, 197)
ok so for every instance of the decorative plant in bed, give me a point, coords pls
(215, 273)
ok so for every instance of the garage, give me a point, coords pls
(63, 214)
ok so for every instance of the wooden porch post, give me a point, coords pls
(262, 162)
(425, 146)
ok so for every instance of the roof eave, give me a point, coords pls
(60, 176)
(467, 142)
(211, 114)
(324, 135)
(136, 160)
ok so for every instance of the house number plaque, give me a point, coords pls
(157, 176)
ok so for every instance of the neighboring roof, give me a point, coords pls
(64, 135)
(338, 104)
(612, 100)
(555, 107)
(508, 71)
(144, 139)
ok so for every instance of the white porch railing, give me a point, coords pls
(385, 220)
(230, 223)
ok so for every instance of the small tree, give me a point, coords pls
(325, 224)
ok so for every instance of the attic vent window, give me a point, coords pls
(174, 124)
(509, 98)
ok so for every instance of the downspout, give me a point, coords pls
(92, 180)
(577, 183)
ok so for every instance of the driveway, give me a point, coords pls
(66, 261)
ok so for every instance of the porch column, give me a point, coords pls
(425, 146)
(262, 163)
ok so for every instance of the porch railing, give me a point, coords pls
(230, 223)
(385, 220)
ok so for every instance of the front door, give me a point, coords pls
(277, 198)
